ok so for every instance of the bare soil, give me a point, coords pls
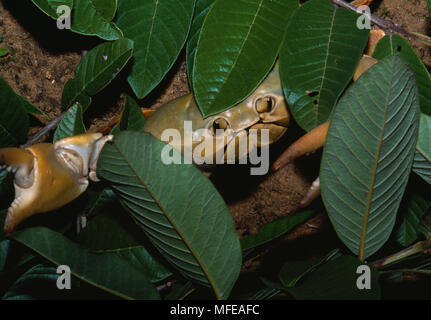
(43, 59)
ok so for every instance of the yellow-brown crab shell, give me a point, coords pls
(238, 120)
(48, 176)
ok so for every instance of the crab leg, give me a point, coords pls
(358, 3)
(308, 143)
(20, 162)
(312, 193)
(15, 158)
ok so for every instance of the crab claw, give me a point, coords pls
(48, 176)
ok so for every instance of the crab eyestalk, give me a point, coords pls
(219, 134)
(49, 176)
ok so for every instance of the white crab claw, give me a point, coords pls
(48, 176)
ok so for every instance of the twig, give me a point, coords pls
(50, 126)
(386, 25)
(418, 247)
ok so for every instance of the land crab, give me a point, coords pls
(48, 176)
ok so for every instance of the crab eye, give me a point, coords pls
(219, 124)
(265, 104)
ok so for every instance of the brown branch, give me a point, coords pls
(50, 126)
(419, 247)
(385, 24)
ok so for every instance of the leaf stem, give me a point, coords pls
(407, 252)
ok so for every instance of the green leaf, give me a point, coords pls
(293, 271)
(416, 207)
(266, 294)
(106, 8)
(318, 59)
(236, 52)
(28, 286)
(106, 271)
(159, 30)
(132, 117)
(394, 44)
(368, 155)
(71, 124)
(201, 10)
(275, 229)
(425, 226)
(99, 201)
(4, 52)
(89, 17)
(14, 123)
(31, 109)
(122, 241)
(95, 71)
(179, 290)
(4, 251)
(49, 7)
(422, 161)
(336, 280)
(178, 208)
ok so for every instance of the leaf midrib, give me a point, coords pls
(423, 154)
(241, 48)
(99, 74)
(374, 172)
(79, 276)
(326, 62)
(203, 268)
(147, 49)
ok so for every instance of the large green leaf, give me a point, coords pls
(293, 271)
(14, 123)
(28, 285)
(318, 59)
(237, 47)
(336, 280)
(275, 229)
(117, 234)
(415, 208)
(49, 7)
(159, 30)
(93, 18)
(95, 71)
(178, 208)
(108, 272)
(98, 201)
(422, 162)
(369, 153)
(394, 44)
(107, 8)
(201, 10)
(71, 124)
